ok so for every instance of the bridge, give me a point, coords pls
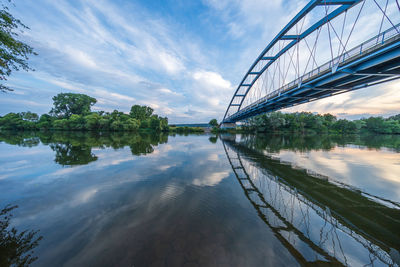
(330, 47)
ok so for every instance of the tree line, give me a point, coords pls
(73, 112)
(307, 122)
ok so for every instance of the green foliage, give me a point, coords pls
(72, 112)
(67, 104)
(395, 117)
(213, 122)
(16, 248)
(45, 122)
(381, 125)
(141, 112)
(185, 130)
(213, 139)
(92, 121)
(155, 123)
(314, 123)
(131, 125)
(19, 121)
(344, 126)
(145, 124)
(75, 147)
(13, 53)
(29, 116)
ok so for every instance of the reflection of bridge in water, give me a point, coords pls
(317, 221)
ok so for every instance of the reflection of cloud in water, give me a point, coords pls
(103, 161)
(159, 150)
(212, 179)
(213, 157)
(171, 191)
(166, 167)
(112, 208)
(83, 197)
(359, 167)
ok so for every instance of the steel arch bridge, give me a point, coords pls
(330, 47)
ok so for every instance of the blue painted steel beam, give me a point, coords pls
(345, 5)
(337, 2)
(299, 16)
(281, 102)
(310, 92)
(290, 37)
(307, 32)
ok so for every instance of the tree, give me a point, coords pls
(16, 247)
(213, 122)
(155, 123)
(13, 53)
(116, 125)
(11, 121)
(164, 123)
(141, 112)
(66, 104)
(29, 116)
(276, 120)
(76, 122)
(345, 126)
(45, 121)
(131, 125)
(375, 124)
(92, 121)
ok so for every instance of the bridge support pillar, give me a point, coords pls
(228, 125)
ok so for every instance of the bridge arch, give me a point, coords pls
(329, 47)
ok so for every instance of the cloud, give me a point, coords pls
(211, 92)
(212, 80)
(167, 91)
(184, 62)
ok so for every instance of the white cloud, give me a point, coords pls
(212, 80)
(81, 57)
(125, 54)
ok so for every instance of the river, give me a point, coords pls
(125, 199)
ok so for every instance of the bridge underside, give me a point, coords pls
(380, 65)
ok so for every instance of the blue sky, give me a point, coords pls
(183, 58)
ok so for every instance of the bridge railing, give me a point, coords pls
(364, 48)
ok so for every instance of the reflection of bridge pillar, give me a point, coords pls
(228, 125)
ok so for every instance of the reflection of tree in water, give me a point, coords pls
(145, 143)
(297, 142)
(75, 148)
(213, 139)
(16, 248)
(68, 154)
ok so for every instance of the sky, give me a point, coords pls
(182, 58)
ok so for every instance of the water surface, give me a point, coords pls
(200, 200)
